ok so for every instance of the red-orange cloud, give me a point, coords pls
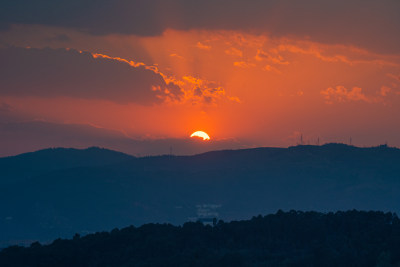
(342, 94)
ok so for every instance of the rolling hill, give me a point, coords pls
(66, 191)
(294, 238)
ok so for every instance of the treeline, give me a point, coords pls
(295, 238)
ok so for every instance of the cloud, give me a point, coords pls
(261, 56)
(203, 46)
(393, 76)
(270, 68)
(370, 24)
(234, 52)
(342, 94)
(177, 56)
(4, 107)
(199, 91)
(59, 38)
(70, 73)
(384, 91)
(188, 89)
(243, 64)
(314, 51)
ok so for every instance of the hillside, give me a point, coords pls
(92, 190)
(27, 165)
(294, 238)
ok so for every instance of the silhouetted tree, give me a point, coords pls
(294, 238)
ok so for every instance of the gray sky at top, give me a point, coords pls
(370, 24)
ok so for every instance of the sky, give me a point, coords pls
(141, 76)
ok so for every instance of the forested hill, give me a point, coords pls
(65, 191)
(352, 238)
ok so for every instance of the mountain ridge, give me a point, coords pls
(231, 184)
(26, 165)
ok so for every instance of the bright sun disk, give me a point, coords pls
(201, 134)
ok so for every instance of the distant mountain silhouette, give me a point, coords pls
(20, 137)
(27, 165)
(58, 192)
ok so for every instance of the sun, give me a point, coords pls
(201, 134)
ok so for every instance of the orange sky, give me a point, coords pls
(260, 88)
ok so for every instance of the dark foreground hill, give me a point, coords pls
(56, 193)
(352, 238)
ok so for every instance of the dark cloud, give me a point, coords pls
(59, 38)
(372, 24)
(97, 17)
(70, 73)
(4, 107)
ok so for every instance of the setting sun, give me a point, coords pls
(201, 134)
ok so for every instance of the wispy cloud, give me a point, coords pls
(177, 56)
(202, 46)
(243, 64)
(384, 91)
(394, 76)
(192, 90)
(270, 68)
(4, 107)
(342, 94)
(278, 59)
(234, 52)
(316, 50)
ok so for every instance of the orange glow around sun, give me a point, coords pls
(200, 134)
(252, 88)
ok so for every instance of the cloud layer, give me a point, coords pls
(372, 24)
(70, 73)
(252, 70)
